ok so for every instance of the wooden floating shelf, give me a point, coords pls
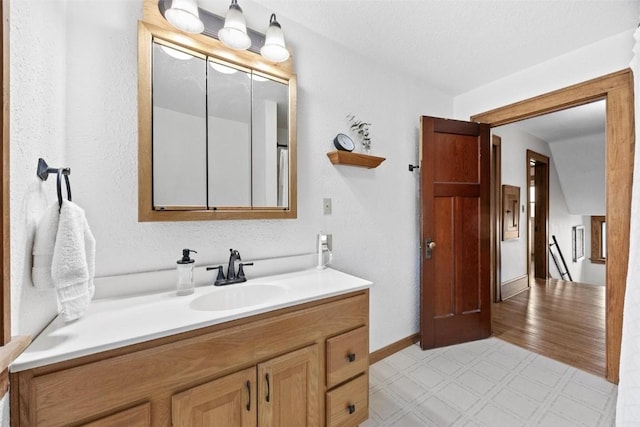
(354, 159)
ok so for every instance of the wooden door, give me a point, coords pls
(288, 393)
(228, 401)
(455, 300)
(540, 165)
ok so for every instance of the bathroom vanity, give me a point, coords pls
(297, 358)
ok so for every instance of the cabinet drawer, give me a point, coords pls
(347, 355)
(348, 405)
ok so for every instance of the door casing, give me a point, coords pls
(617, 89)
(540, 240)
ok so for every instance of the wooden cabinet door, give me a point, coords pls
(288, 392)
(226, 402)
(138, 416)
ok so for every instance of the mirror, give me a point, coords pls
(217, 137)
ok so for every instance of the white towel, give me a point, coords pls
(43, 244)
(73, 262)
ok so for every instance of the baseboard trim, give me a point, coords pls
(392, 348)
(514, 286)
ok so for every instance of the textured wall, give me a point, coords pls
(37, 73)
(38, 129)
(374, 220)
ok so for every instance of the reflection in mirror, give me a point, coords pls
(220, 135)
(270, 157)
(229, 133)
(179, 140)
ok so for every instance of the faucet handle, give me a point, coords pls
(241, 270)
(220, 273)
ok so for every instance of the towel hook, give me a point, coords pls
(43, 173)
(59, 187)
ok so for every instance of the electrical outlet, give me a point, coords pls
(326, 206)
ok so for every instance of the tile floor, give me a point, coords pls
(485, 383)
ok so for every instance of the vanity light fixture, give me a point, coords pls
(183, 14)
(234, 32)
(274, 48)
(231, 30)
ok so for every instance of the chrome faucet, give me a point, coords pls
(232, 276)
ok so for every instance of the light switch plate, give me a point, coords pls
(326, 206)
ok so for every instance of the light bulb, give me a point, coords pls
(234, 32)
(274, 48)
(183, 14)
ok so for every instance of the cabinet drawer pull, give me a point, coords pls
(351, 408)
(268, 387)
(249, 393)
(351, 357)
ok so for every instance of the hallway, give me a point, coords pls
(561, 320)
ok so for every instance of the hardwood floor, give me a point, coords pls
(561, 320)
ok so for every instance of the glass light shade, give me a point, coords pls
(234, 32)
(183, 14)
(274, 48)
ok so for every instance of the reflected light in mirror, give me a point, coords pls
(274, 48)
(184, 15)
(234, 32)
(257, 78)
(175, 53)
(222, 68)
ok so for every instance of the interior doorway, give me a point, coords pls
(617, 89)
(537, 168)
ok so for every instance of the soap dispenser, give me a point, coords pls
(185, 285)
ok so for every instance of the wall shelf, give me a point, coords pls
(354, 159)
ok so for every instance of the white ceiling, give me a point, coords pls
(456, 45)
(574, 122)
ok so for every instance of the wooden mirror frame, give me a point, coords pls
(153, 25)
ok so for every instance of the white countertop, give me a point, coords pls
(118, 322)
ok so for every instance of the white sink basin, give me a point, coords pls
(233, 297)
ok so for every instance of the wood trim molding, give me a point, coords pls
(496, 226)
(617, 89)
(392, 348)
(9, 353)
(5, 253)
(513, 287)
(541, 177)
(596, 239)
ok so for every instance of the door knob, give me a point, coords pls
(428, 247)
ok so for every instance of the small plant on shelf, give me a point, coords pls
(362, 130)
